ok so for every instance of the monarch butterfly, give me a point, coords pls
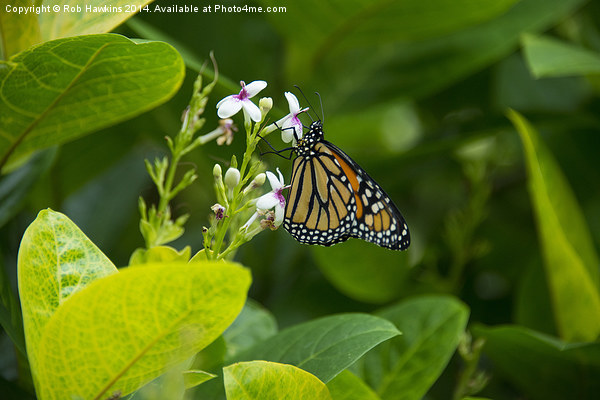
(331, 198)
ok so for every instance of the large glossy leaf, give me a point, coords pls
(347, 386)
(128, 328)
(86, 17)
(362, 271)
(325, 346)
(263, 380)
(568, 250)
(548, 57)
(55, 260)
(406, 366)
(63, 89)
(542, 366)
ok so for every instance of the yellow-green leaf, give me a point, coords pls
(159, 254)
(264, 380)
(347, 386)
(18, 31)
(193, 378)
(128, 328)
(87, 17)
(570, 259)
(56, 259)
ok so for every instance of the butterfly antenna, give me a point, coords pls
(322, 113)
(307, 102)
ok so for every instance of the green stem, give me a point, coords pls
(463, 388)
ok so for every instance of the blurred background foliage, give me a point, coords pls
(417, 93)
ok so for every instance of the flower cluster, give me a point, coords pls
(235, 189)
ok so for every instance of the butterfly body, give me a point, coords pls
(332, 199)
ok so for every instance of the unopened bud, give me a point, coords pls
(257, 182)
(265, 104)
(217, 171)
(232, 177)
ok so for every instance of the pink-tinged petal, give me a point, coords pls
(276, 184)
(253, 88)
(288, 127)
(278, 216)
(229, 107)
(293, 102)
(267, 201)
(252, 110)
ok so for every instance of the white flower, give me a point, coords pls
(273, 199)
(231, 104)
(291, 123)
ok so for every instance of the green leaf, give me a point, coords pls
(253, 325)
(160, 254)
(55, 261)
(263, 380)
(89, 17)
(193, 378)
(347, 386)
(349, 267)
(406, 367)
(542, 366)
(324, 346)
(128, 328)
(64, 89)
(18, 31)
(548, 57)
(170, 385)
(570, 258)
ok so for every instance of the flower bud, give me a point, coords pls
(217, 171)
(258, 181)
(232, 177)
(265, 104)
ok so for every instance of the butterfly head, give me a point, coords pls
(310, 139)
(315, 132)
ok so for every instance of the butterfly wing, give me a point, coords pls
(377, 219)
(321, 206)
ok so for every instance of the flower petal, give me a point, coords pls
(293, 102)
(254, 87)
(252, 110)
(250, 221)
(228, 107)
(267, 201)
(287, 135)
(280, 177)
(276, 184)
(278, 216)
